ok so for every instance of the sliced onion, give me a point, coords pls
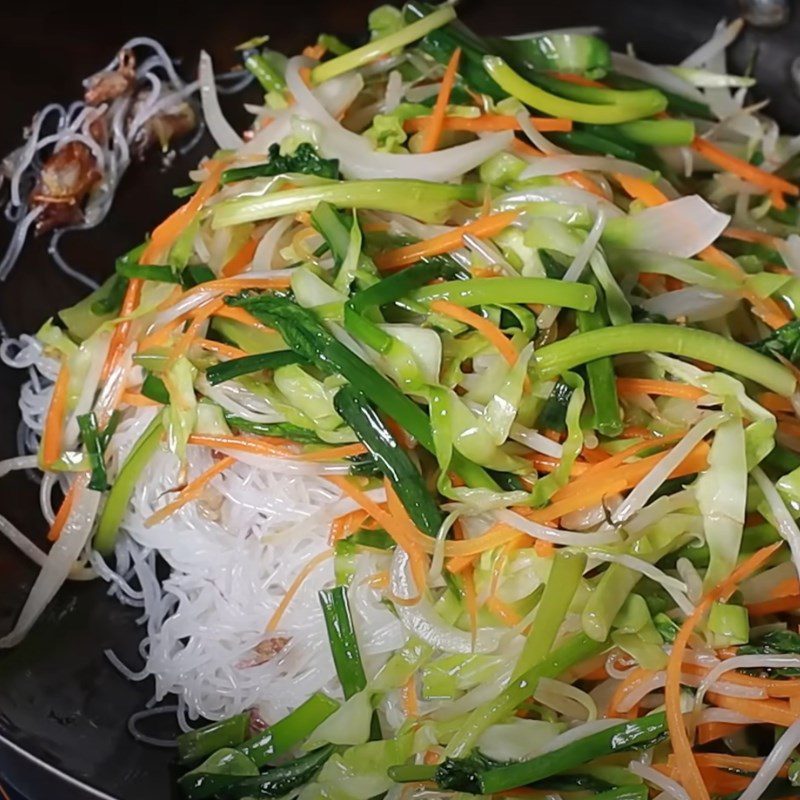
(222, 131)
(723, 36)
(787, 527)
(358, 160)
(60, 560)
(538, 140)
(394, 92)
(658, 76)
(695, 304)
(759, 661)
(422, 619)
(537, 531)
(790, 250)
(536, 441)
(564, 697)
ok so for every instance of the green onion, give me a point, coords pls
(279, 781)
(304, 160)
(108, 431)
(342, 639)
(392, 459)
(429, 202)
(620, 107)
(285, 734)
(497, 291)
(379, 47)
(213, 777)
(265, 73)
(306, 336)
(285, 430)
(185, 191)
(675, 102)
(117, 503)
(195, 274)
(729, 624)
(659, 132)
(574, 650)
(602, 379)
(228, 370)
(632, 734)
(587, 141)
(146, 272)
(87, 423)
(153, 387)
(111, 301)
(553, 359)
(553, 416)
(562, 583)
(202, 742)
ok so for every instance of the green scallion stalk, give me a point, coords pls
(117, 502)
(562, 583)
(634, 105)
(586, 141)
(659, 132)
(87, 423)
(342, 639)
(552, 359)
(675, 102)
(147, 272)
(392, 459)
(228, 370)
(153, 388)
(280, 738)
(194, 274)
(306, 336)
(602, 380)
(379, 47)
(574, 650)
(265, 73)
(499, 291)
(202, 742)
(422, 200)
(625, 736)
(285, 430)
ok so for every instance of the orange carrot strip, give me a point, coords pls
(201, 316)
(548, 464)
(776, 606)
(775, 402)
(503, 611)
(241, 315)
(296, 584)
(121, 332)
(640, 189)
(774, 688)
(165, 234)
(346, 525)
(790, 586)
(491, 225)
(711, 731)
(410, 702)
(627, 386)
(743, 169)
(433, 129)
(63, 514)
(771, 712)
(689, 772)
(583, 181)
(489, 122)
(487, 329)
(220, 348)
(191, 492)
(53, 432)
(240, 259)
(578, 80)
(745, 235)
(631, 681)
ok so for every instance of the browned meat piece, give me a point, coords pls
(266, 650)
(103, 87)
(66, 179)
(172, 123)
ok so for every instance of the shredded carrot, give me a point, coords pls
(503, 611)
(772, 712)
(790, 586)
(409, 696)
(583, 181)
(119, 337)
(346, 525)
(201, 316)
(165, 234)
(627, 386)
(54, 421)
(578, 80)
(485, 327)
(745, 235)
(191, 492)
(378, 580)
(333, 453)
(745, 170)
(160, 337)
(774, 688)
(640, 189)
(296, 584)
(526, 148)
(544, 463)
(775, 402)
(689, 772)
(63, 513)
(241, 315)
(315, 51)
(220, 348)
(138, 400)
(419, 562)
(486, 226)
(240, 259)
(629, 683)
(776, 606)
(711, 731)
(236, 283)
(433, 128)
(489, 122)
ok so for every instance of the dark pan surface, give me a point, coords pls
(63, 708)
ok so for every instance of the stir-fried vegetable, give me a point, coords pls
(460, 401)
